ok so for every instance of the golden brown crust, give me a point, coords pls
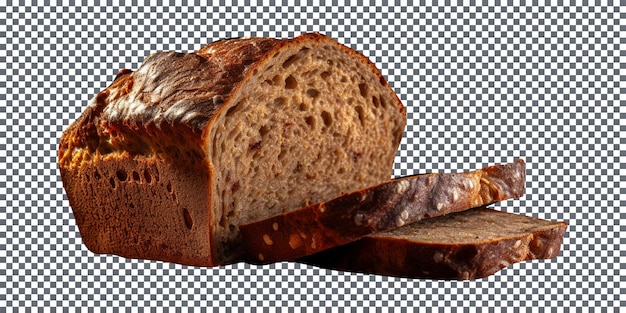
(170, 93)
(141, 208)
(386, 206)
(418, 256)
(160, 116)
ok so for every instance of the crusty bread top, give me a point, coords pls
(175, 92)
(183, 88)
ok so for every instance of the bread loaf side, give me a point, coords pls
(170, 159)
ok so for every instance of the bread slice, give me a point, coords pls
(466, 245)
(168, 160)
(386, 206)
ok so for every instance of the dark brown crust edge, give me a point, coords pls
(399, 257)
(386, 206)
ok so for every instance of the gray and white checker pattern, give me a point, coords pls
(483, 84)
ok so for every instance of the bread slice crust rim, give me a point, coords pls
(400, 254)
(386, 206)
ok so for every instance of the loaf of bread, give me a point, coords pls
(471, 244)
(170, 159)
(386, 206)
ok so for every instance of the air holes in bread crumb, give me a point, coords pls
(291, 82)
(310, 120)
(294, 58)
(325, 75)
(383, 103)
(112, 182)
(375, 101)
(363, 90)
(361, 114)
(282, 155)
(304, 107)
(280, 102)
(222, 221)
(276, 80)
(264, 130)
(187, 218)
(298, 168)
(290, 60)
(255, 145)
(136, 176)
(169, 187)
(121, 175)
(313, 93)
(147, 176)
(96, 175)
(328, 119)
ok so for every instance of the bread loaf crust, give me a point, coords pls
(153, 120)
(162, 118)
(383, 207)
(391, 254)
(171, 92)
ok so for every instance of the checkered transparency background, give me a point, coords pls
(483, 84)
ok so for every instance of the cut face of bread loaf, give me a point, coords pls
(471, 244)
(382, 207)
(168, 160)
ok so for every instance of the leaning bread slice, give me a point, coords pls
(466, 245)
(382, 207)
(167, 161)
